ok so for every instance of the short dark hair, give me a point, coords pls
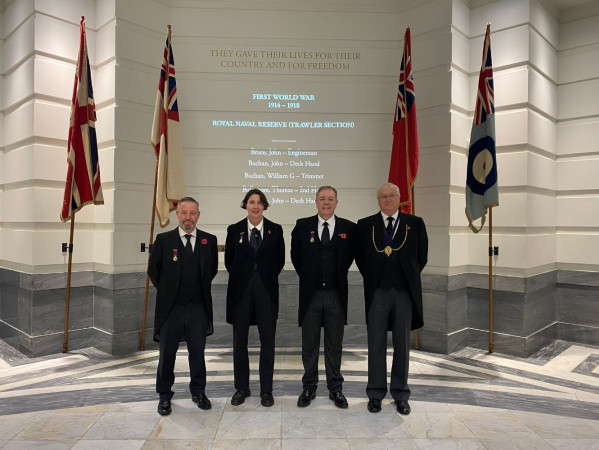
(251, 192)
(188, 199)
(322, 188)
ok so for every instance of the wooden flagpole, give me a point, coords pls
(145, 313)
(411, 194)
(65, 339)
(416, 340)
(143, 324)
(491, 347)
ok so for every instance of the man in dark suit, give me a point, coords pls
(391, 252)
(254, 258)
(182, 264)
(322, 252)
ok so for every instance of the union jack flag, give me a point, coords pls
(482, 190)
(83, 185)
(485, 100)
(166, 139)
(404, 154)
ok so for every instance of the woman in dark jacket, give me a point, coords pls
(254, 258)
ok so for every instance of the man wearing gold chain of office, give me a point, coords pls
(391, 251)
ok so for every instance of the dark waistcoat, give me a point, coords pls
(190, 283)
(328, 272)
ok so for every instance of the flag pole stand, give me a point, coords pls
(65, 339)
(143, 324)
(491, 346)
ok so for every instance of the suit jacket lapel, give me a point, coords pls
(175, 246)
(203, 254)
(379, 236)
(313, 227)
(266, 229)
(400, 226)
(242, 230)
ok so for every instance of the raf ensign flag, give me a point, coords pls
(166, 139)
(83, 185)
(404, 153)
(482, 191)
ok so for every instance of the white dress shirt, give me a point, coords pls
(260, 226)
(330, 221)
(182, 233)
(395, 218)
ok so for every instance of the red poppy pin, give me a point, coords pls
(409, 228)
(268, 231)
(204, 241)
(343, 236)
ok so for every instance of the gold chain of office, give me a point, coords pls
(388, 249)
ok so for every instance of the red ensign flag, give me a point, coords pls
(404, 154)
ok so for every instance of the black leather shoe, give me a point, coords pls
(339, 399)
(306, 397)
(202, 401)
(164, 407)
(374, 405)
(403, 407)
(239, 397)
(266, 399)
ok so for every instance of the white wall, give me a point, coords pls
(38, 64)
(207, 91)
(545, 92)
(577, 240)
(524, 50)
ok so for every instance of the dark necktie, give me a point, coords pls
(325, 238)
(188, 245)
(256, 239)
(390, 227)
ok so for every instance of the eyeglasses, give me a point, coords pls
(388, 197)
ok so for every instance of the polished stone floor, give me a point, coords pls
(468, 400)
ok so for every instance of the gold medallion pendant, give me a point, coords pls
(388, 250)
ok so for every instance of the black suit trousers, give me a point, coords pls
(389, 304)
(187, 322)
(255, 302)
(325, 310)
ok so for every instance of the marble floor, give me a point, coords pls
(468, 400)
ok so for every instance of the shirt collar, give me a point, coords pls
(259, 226)
(182, 232)
(395, 216)
(330, 221)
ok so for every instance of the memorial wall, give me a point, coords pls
(286, 99)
